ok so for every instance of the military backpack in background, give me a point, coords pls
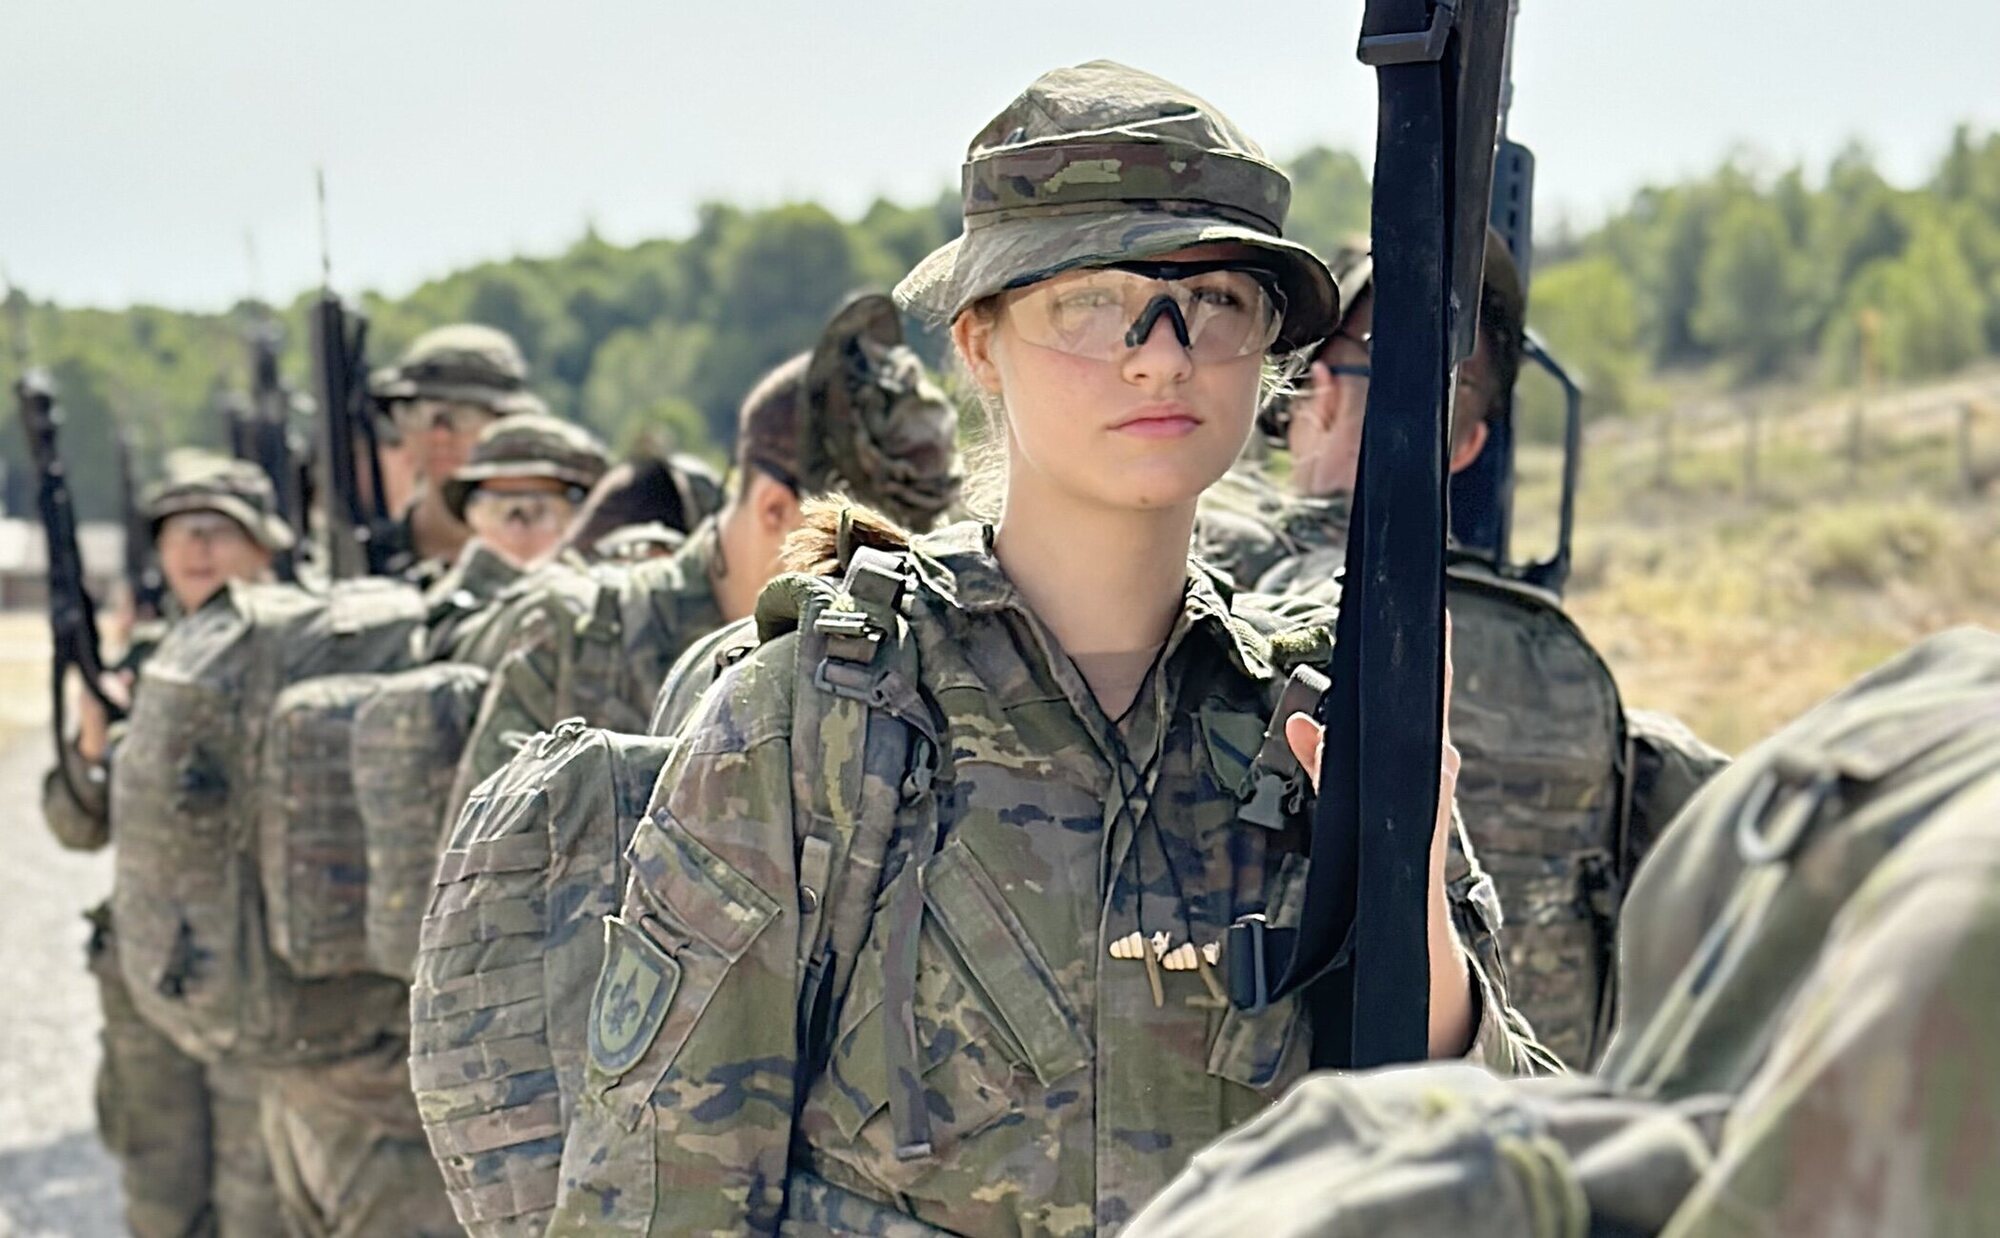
(507, 957)
(1536, 715)
(241, 870)
(409, 732)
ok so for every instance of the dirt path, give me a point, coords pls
(54, 1178)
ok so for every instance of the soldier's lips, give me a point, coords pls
(1160, 421)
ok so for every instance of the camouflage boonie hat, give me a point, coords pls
(202, 481)
(465, 363)
(876, 427)
(529, 445)
(1354, 267)
(1102, 163)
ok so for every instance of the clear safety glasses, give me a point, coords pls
(538, 509)
(1219, 311)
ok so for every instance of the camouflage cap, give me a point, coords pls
(466, 363)
(877, 428)
(202, 481)
(1102, 163)
(529, 445)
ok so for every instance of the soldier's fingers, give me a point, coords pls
(1306, 738)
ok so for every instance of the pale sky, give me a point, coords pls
(141, 140)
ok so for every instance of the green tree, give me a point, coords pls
(1754, 304)
(1919, 313)
(1588, 313)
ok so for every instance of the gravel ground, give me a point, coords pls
(54, 1178)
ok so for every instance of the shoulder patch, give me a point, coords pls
(634, 990)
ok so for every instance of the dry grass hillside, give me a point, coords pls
(1736, 588)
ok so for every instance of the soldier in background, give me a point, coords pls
(517, 494)
(1563, 788)
(185, 1135)
(448, 387)
(644, 508)
(857, 416)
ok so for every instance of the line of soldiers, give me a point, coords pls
(815, 868)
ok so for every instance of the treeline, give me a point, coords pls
(1743, 273)
(1750, 275)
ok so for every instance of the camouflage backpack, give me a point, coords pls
(241, 871)
(524, 911)
(1536, 715)
(1760, 1080)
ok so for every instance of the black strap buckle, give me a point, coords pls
(1412, 46)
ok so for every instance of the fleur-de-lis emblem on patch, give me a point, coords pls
(634, 991)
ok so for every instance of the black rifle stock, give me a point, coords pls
(268, 437)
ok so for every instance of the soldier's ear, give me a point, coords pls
(1468, 447)
(972, 331)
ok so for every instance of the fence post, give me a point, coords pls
(1751, 422)
(1663, 464)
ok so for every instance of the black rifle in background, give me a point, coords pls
(270, 441)
(347, 448)
(72, 611)
(142, 568)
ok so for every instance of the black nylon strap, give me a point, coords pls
(1373, 822)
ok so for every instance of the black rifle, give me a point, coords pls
(142, 569)
(1482, 496)
(72, 611)
(356, 522)
(1361, 952)
(268, 436)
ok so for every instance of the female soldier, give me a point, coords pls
(1027, 1036)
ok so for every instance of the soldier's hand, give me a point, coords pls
(93, 723)
(1307, 738)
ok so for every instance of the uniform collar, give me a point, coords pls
(957, 564)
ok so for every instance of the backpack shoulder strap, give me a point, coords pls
(874, 744)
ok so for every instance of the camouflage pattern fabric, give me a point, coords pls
(348, 1152)
(408, 735)
(873, 423)
(457, 602)
(594, 644)
(1128, 166)
(1059, 1086)
(202, 481)
(1561, 793)
(509, 950)
(190, 1157)
(205, 944)
(190, 1153)
(463, 363)
(1811, 956)
(1246, 525)
(532, 445)
(696, 670)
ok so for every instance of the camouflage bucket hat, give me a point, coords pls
(465, 363)
(878, 429)
(200, 481)
(1102, 163)
(529, 445)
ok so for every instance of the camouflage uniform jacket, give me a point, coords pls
(596, 644)
(457, 602)
(1061, 1093)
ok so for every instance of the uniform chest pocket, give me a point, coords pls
(694, 916)
(1265, 1052)
(992, 1025)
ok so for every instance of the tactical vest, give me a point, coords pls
(241, 872)
(1536, 716)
